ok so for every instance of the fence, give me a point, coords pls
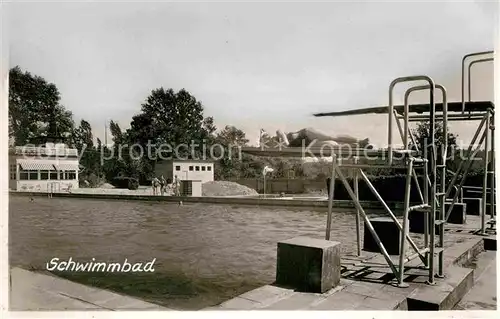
(391, 188)
(282, 185)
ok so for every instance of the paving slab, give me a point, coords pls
(483, 295)
(42, 292)
(297, 301)
(267, 294)
(340, 301)
(376, 303)
(369, 289)
(239, 303)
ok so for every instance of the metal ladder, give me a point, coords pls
(437, 192)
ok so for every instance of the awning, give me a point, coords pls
(35, 166)
(67, 167)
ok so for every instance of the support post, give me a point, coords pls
(264, 185)
(404, 232)
(492, 165)
(356, 192)
(432, 215)
(426, 201)
(485, 176)
(330, 198)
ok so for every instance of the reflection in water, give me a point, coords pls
(205, 254)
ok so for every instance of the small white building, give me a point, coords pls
(50, 168)
(186, 170)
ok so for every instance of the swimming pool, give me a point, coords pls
(205, 254)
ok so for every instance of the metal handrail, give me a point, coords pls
(463, 72)
(468, 73)
(391, 104)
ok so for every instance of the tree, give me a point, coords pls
(422, 136)
(422, 139)
(116, 133)
(231, 136)
(82, 136)
(114, 166)
(209, 129)
(168, 119)
(172, 118)
(35, 114)
(231, 164)
(127, 159)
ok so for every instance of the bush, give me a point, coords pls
(125, 182)
(390, 188)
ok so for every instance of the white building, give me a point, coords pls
(42, 169)
(186, 170)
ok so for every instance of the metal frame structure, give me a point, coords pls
(487, 118)
(433, 200)
(410, 161)
(430, 161)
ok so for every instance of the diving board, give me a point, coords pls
(474, 106)
(321, 151)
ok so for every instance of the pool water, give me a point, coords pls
(205, 254)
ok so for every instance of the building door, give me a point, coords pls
(186, 188)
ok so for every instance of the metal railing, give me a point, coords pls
(427, 196)
(487, 119)
(464, 59)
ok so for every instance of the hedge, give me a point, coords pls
(390, 188)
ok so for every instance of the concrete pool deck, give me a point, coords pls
(307, 202)
(32, 291)
(364, 278)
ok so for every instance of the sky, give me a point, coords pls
(252, 65)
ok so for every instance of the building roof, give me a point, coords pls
(187, 161)
(43, 151)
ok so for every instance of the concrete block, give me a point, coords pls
(445, 294)
(490, 243)
(308, 265)
(474, 206)
(388, 233)
(416, 222)
(458, 213)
